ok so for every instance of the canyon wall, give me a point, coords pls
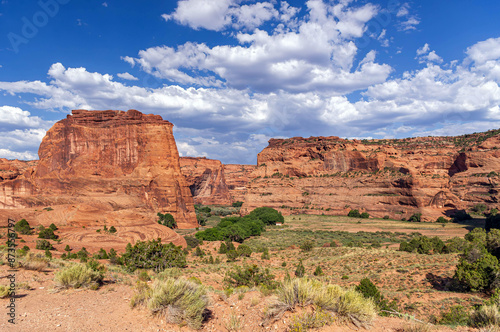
(112, 163)
(399, 177)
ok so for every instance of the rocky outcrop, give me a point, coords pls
(206, 180)
(395, 177)
(109, 161)
(237, 179)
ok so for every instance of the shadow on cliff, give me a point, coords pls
(470, 224)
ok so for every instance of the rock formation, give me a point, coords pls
(395, 177)
(237, 178)
(100, 167)
(206, 180)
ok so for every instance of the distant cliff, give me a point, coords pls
(395, 177)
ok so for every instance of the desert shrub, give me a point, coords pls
(364, 215)
(385, 217)
(300, 271)
(23, 227)
(461, 215)
(112, 230)
(416, 217)
(442, 220)
(319, 271)
(477, 235)
(476, 269)
(167, 220)
(143, 276)
(47, 233)
(203, 209)
(179, 300)
(23, 251)
(222, 248)
(53, 227)
(231, 255)
(199, 252)
(250, 276)
(77, 276)
(267, 215)
(369, 290)
(354, 214)
(192, 242)
(345, 303)
(265, 254)
(493, 242)
(202, 218)
(485, 316)
(244, 251)
(456, 315)
(83, 255)
(152, 255)
(423, 245)
(237, 204)
(43, 244)
(36, 262)
(456, 244)
(102, 254)
(4, 292)
(307, 245)
(67, 248)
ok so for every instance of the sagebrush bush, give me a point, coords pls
(179, 300)
(77, 276)
(43, 245)
(307, 245)
(348, 304)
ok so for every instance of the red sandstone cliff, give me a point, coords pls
(384, 177)
(237, 178)
(206, 180)
(105, 167)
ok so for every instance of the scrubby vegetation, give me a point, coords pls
(179, 300)
(153, 255)
(23, 227)
(348, 304)
(79, 275)
(47, 233)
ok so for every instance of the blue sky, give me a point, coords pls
(230, 74)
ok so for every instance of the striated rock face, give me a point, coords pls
(110, 161)
(206, 180)
(237, 178)
(330, 175)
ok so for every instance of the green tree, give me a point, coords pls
(23, 227)
(167, 220)
(267, 215)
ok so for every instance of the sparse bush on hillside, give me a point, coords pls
(153, 255)
(192, 242)
(53, 227)
(369, 290)
(307, 245)
(32, 261)
(479, 208)
(442, 220)
(250, 276)
(43, 244)
(244, 251)
(179, 300)
(364, 215)
(23, 227)
(47, 233)
(300, 271)
(354, 214)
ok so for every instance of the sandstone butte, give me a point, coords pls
(392, 177)
(99, 168)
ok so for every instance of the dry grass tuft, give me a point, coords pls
(179, 300)
(36, 262)
(348, 304)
